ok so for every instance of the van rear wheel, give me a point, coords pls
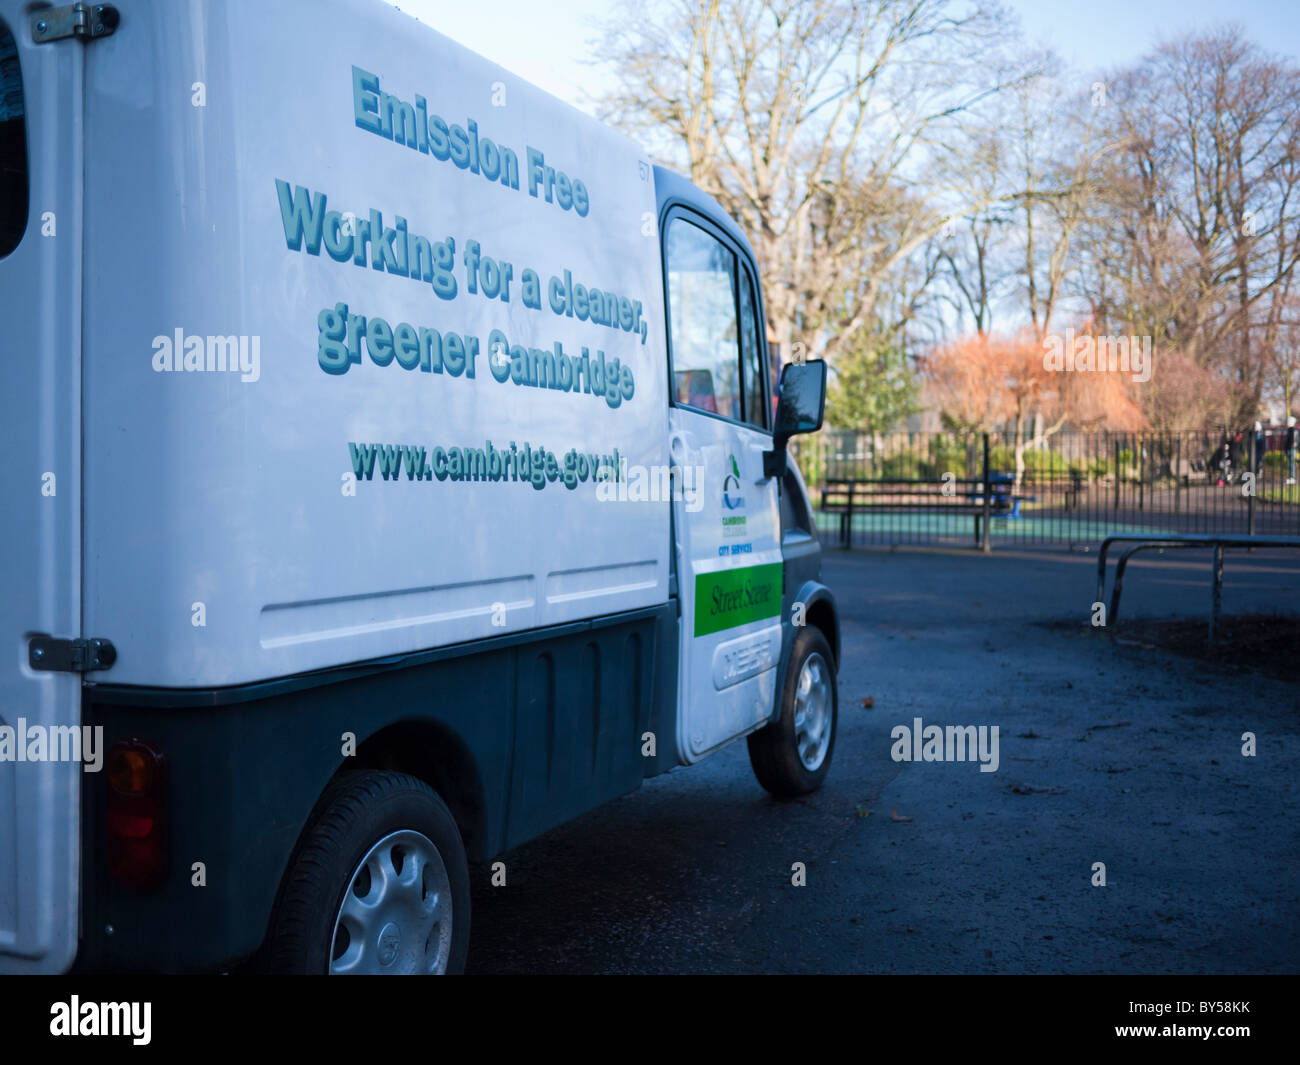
(792, 755)
(379, 884)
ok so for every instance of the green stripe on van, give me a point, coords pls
(732, 597)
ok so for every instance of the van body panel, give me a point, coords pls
(40, 480)
(546, 725)
(220, 137)
(242, 363)
(672, 189)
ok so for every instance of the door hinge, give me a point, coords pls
(84, 21)
(80, 655)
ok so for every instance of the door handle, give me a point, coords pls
(756, 454)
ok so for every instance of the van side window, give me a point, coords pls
(13, 147)
(751, 356)
(702, 309)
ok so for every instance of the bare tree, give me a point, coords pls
(812, 121)
(1200, 233)
(1284, 386)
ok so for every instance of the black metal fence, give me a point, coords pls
(899, 488)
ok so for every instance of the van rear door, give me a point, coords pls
(40, 483)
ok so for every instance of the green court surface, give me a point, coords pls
(914, 525)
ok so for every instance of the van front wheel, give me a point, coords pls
(792, 755)
(379, 884)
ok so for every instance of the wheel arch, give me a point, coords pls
(821, 613)
(421, 747)
(431, 751)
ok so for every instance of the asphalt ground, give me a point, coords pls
(1109, 751)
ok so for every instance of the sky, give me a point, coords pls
(1102, 33)
(549, 44)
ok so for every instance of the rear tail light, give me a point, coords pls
(136, 814)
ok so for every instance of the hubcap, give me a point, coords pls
(812, 712)
(396, 912)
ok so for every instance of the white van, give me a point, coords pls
(392, 472)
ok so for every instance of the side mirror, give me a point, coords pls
(800, 407)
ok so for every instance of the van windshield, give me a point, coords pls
(13, 147)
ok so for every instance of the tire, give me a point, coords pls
(389, 838)
(792, 755)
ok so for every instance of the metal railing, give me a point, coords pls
(1073, 488)
(1145, 543)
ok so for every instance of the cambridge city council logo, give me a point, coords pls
(731, 497)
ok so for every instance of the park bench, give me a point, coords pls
(846, 496)
(1003, 498)
(1068, 486)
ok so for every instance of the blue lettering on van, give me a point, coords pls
(308, 222)
(412, 126)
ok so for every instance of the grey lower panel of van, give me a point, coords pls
(802, 557)
(517, 734)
